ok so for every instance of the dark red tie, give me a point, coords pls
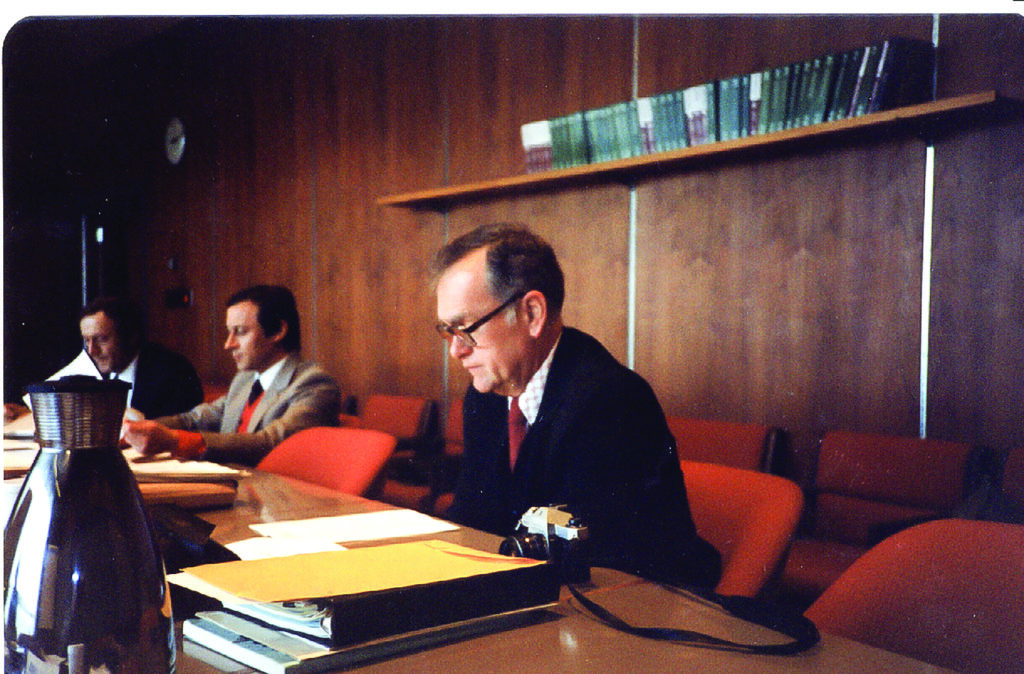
(516, 431)
(256, 391)
(255, 394)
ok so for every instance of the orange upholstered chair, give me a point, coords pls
(411, 419)
(449, 464)
(749, 517)
(1009, 500)
(748, 446)
(453, 429)
(343, 459)
(212, 390)
(434, 491)
(869, 485)
(947, 592)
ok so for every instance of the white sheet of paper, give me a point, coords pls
(262, 547)
(163, 467)
(18, 458)
(14, 445)
(360, 527)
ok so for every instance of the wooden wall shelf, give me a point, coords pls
(924, 118)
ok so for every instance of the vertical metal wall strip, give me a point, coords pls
(631, 316)
(926, 284)
(926, 263)
(85, 261)
(100, 265)
(631, 266)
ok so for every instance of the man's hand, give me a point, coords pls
(132, 414)
(14, 410)
(149, 437)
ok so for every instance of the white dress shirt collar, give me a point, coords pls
(530, 398)
(128, 375)
(267, 376)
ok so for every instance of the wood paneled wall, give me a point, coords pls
(783, 289)
(976, 345)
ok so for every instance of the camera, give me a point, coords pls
(551, 533)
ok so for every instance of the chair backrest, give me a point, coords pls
(212, 390)
(748, 446)
(948, 592)
(866, 482)
(411, 419)
(749, 517)
(344, 459)
(453, 429)
(1010, 496)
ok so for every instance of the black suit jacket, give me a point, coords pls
(601, 446)
(165, 382)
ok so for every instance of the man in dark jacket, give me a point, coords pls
(552, 418)
(114, 346)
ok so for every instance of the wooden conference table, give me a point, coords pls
(562, 639)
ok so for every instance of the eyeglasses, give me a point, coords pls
(465, 334)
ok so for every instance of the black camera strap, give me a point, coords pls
(794, 625)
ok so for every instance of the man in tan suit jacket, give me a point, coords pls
(274, 394)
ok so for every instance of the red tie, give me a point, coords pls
(255, 395)
(516, 431)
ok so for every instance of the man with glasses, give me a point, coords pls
(552, 418)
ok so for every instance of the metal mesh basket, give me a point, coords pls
(78, 412)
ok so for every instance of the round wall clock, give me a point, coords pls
(174, 140)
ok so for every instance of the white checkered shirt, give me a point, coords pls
(529, 399)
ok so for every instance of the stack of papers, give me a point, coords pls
(267, 648)
(19, 446)
(190, 484)
(162, 468)
(308, 611)
(20, 449)
(341, 573)
(18, 459)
